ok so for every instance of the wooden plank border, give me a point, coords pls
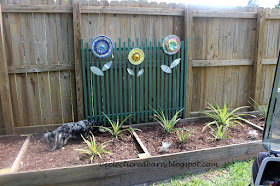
(269, 61)
(20, 155)
(136, 171)
(40, 68)
(5, 94)
(224, 14)
(93, 9)
(215, 63)
(132, 10)
(138, 140)
(37, 8)
(78, 60)
(272, 16)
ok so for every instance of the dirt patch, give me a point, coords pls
(257, 121)
(38, 157)
(152, 137)
(9, 149)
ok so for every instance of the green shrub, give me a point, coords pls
(262, 109)
(167, 125)
(117, 130)
(223, 116)
(93, 148)
(183, 135)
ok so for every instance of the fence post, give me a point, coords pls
(257, 86)
(5, 94)
(188, 22)
(78, 62)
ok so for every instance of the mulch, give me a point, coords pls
(38, 157)
(152, 137)
(9, 148)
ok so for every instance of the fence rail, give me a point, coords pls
(231, 53)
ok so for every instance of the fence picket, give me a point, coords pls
(84, 78)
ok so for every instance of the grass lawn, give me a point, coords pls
(235, 173)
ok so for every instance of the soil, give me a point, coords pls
(38, 157)
(257, 121)
(152, 137)
(9, 148)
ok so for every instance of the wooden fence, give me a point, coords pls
(232, 53)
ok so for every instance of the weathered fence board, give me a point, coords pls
(39, 39)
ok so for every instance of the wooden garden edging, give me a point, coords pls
(137, 171)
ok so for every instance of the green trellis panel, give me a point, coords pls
(118, 93)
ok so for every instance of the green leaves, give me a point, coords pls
(223, 119)
(167, 125)
(183, 135)
(93, 148)
(220, 132)
(117, 130)
(262, 109)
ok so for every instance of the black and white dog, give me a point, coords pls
(59, 137)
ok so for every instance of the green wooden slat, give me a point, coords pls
(137, 86)
(162, 82)
(133, 90)
(185, 74)
(120, 80)
(158, 76)
(154, 62)
(181, 76)
(173, 89)
(84, 78)
(88, 82)
(103, 91)
(106, 76)
(142, 85)
(146, 80)
(150, 77)
(170, 87)
(112, 69)
(116, 80)
(94, 90)
(129, 83)
(125, 81)
(98, 92)
(178, 73)
(166, 78)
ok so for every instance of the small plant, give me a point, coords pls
(183, 135)
(223, 116)
(262, 109)
(167, 125)
(221, 131)
(93, 148)
(116, 126)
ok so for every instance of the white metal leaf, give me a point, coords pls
(140, 72)
(130, 71)
(165, 69)
(96, 71)
(107, 66)
(175, 63)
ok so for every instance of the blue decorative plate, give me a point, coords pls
(102, 46)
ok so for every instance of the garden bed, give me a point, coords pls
(9, 148)
(131, 169)
(38, 157)
(152, 137)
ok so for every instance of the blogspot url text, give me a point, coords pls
(181, 165)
